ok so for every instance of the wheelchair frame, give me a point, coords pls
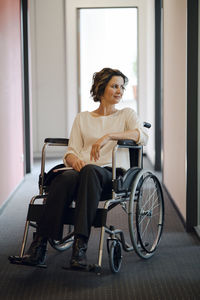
(131, 197)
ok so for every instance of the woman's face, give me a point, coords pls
(114, 90)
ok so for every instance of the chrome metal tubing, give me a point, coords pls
(43, 162)
(114, 154)
(24, 238)
(37, 197)
(140, 158)
(101, 246)
(114, 161)
(103, 229)
(125, 245)
(108, 202)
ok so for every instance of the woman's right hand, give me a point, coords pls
(73, 161)
(78, 164)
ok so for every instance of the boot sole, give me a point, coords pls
(19, 261)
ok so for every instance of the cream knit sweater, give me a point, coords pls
(87, 129)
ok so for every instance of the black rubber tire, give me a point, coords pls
(115, 256)
(146, 213)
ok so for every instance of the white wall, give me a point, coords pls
(174, 107)
(55, 68)
(47, 38)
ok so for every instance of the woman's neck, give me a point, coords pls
(103, 110)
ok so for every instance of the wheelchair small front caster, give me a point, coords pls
(115, 256)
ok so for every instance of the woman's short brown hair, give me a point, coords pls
(100, 81)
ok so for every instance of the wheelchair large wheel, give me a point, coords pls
(146, 213)
(65, 243)
(115, 256)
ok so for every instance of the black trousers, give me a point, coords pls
(86, 188)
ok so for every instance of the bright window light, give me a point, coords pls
(108, 38)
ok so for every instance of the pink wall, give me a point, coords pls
(11, 116)
(175, 100)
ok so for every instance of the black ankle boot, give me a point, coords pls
(36, 253)
(79, 259)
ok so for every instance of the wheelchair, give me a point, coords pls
(138, 192)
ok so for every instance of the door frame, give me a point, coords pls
(71, 7)
(158, 84)
(25, 85)
(192, 115)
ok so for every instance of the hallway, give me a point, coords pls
(39, 97)
(173, 273)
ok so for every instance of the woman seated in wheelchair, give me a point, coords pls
(89, 155)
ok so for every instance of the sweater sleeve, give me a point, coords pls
(76, 139)
(134, 122)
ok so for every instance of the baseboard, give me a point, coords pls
(197, 230)
(5, 203)
(174, 205)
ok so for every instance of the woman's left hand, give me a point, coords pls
(95, 152)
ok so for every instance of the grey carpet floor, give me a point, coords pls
(173, 272)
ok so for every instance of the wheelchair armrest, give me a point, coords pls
(62, 141)
(126, 143)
